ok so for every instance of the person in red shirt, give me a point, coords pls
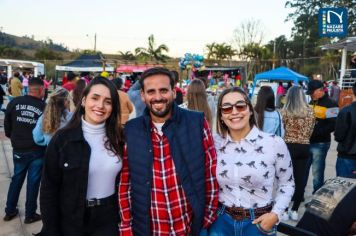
(168, 185)
(72, 79)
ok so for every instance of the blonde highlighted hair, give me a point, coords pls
(55, 110)
(296, 103)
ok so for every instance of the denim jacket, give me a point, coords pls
(42, 138)
(272, 121)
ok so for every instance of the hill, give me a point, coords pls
(26, 42)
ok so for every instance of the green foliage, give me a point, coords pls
(127, 56)
(221, 51)
(47, 54)
(152, 52)
(13, 53)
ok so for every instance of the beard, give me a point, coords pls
(162, 113)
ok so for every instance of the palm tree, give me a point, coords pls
(211, 50)
(152, 52)
(127, 55)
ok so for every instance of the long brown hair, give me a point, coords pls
(221, 127)
(265, 102)
(197, 99)
(55, 110)
(77, 91)
(115, 138)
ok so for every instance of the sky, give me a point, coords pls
(184, 26)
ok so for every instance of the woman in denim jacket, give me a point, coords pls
(268, 118)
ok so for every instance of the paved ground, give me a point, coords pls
(16, 227)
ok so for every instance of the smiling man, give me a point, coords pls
(168, 184)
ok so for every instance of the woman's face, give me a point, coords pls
(235, 112)
(97, 104)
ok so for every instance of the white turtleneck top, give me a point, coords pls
(104, 166)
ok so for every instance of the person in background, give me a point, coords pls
(72, 80)
(280, 93)
(64, 79)
(345, 135)
(2, 94)
(210, 98)
(269, 120)
(126, 106)
(25, 78)
(298, 120)
(167, 185)
(254, 171)
(76, 94)
(197, 100)
(21, 116)
(55, 116)
(82, 163)
(46, 85)
(353, 65)
(179, 92)
(335, 92)
(325, 111)
(135, 97)
(16, 85)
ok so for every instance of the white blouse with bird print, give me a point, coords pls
(247, 171)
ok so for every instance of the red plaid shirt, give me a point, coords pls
(171, 213)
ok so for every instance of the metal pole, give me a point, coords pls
(95, 42)
(343, 66)
(274, 54)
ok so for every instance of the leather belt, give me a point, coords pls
(111, 200)
(240, 213)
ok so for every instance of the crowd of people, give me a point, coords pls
(167, 172)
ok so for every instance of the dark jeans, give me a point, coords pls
(102, 220)
(318, 152)
(300, 155)
(29, 163)
(345, 167)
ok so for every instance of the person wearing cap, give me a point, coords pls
(325, 111)
(345, 135)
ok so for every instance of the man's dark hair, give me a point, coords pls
(175, 76)
(118, 83)
(17, 74)
(354, 88)
(71, 76)
(157, 71)
(35, 82)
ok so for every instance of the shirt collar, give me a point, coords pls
(251, 137)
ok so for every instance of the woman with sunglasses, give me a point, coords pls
(81, 165)
(250, 163)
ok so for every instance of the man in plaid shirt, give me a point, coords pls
(168, 184)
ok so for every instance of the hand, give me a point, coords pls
(267, 220)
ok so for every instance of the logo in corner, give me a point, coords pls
(332, 22)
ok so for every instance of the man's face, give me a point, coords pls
(158, 96)
(318, 93)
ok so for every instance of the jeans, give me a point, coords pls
(225, 225)
(29, 163)
(318, 152)
(345, 167)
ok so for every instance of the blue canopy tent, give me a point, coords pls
(279, 74)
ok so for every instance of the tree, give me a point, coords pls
(220, 51)
(152, 52)
(127, 55)
(305, 15)
(249, 32)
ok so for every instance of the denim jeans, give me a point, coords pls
(29, 163)
(225, 225)
(318, 152)
(345, 167)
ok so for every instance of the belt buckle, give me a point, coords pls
(92, 202)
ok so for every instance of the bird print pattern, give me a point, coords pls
(247, 171)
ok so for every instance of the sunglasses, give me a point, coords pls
(228, 108)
